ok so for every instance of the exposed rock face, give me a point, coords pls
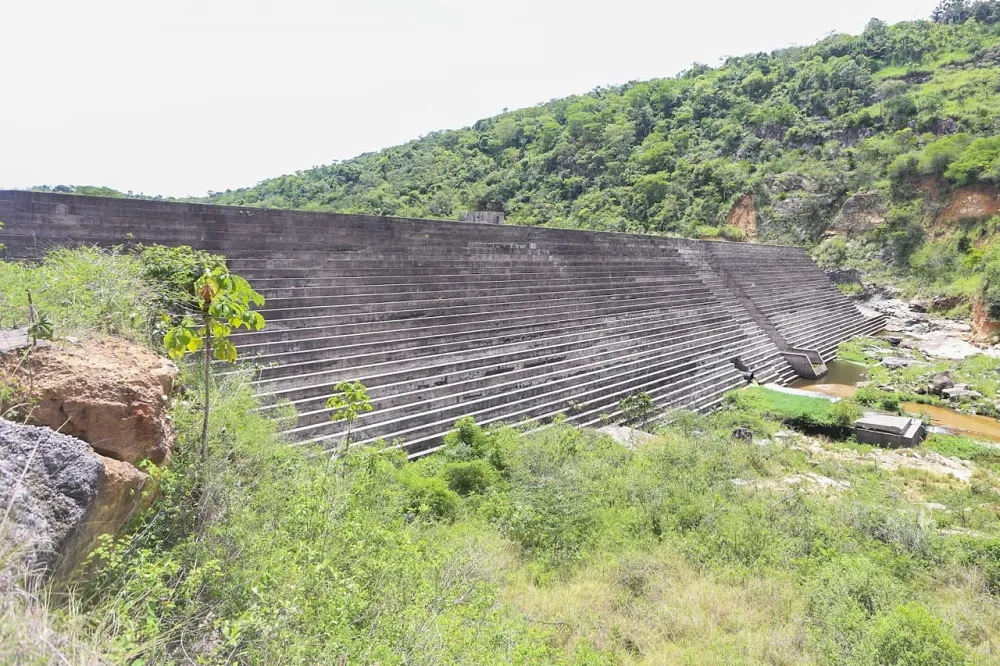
(859, 214)
(63, 496)
(107, 399)
(744, 215)
(109, 393)
(50, 481)
(983, 328)
(976, 201)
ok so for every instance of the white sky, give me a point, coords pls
(178, 97)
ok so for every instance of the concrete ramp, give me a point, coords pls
(442, 319)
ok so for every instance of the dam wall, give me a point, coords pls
(442, 319)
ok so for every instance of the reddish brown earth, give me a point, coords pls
(983, 328)
(108, 392)
(744, 215)
(113, 395)
(972, 201)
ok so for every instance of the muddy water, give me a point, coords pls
(842, 380)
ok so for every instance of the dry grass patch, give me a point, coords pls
(655, 608)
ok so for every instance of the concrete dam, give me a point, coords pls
(442, 319)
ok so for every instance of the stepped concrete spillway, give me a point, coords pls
(442, 319)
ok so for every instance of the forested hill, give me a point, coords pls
(800, 129)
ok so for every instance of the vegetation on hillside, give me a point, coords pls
(800, 128)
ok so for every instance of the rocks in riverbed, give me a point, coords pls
(939, 383)
(895, 362)
(961, 392)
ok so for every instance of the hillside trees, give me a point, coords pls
(847, 114)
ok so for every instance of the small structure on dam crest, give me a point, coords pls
(442, 319)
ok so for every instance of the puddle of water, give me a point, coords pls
(842, 380)
(966, 424)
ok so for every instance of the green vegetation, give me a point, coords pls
(81, 292)
(555, 547)
(223, 301)
(800, 129)
(980, 372)
(796, 410)
(547, 547)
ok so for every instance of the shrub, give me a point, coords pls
(428, 495)
(842, 598)
(467, 478)
(176, 269)
(732, 233)
(845, 412)
(468, 441)
(909, 635)
(831, 253)
(81, 290)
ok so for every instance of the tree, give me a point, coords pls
(224, 302)
(348, 403)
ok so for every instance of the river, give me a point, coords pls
(842, 381)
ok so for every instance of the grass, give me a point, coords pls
(799, 410)
(82, 291)
(559, 546)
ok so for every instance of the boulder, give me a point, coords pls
(961, 392)
(893, 362)
(919, 305)
(108, 392)
(939, 383)
(63, 497)
(50, 481)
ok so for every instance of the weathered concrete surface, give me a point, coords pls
(443, 319)
(889, 430)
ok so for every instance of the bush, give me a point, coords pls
(468, 441)
(909, 635)
(732, 233)
(467, 478)
(845, 412)
(831, 253)
(428, 495)
(176, 269)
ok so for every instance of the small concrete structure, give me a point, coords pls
(889, 430)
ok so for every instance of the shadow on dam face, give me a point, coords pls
(441, 318)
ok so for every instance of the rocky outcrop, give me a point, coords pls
(743, 215)
(859, 214)
(983, 328)
(49, 481)
(98, 409)
(110, 393)
(62, 496)
(972, 201)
